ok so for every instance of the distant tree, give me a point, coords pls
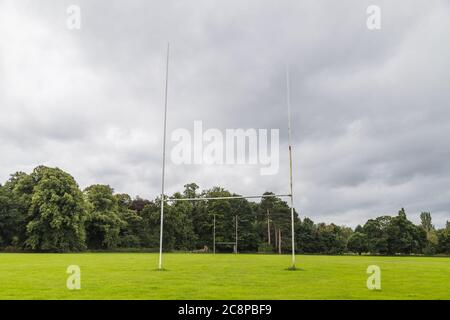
(375, 229)
(149, 230)
(104, 223)
(331, 239)
(403, 236)
(222, 210)
(12, 216)
(432, 237)
(357, 243)
(346, 233)
(15, 203)
(190, 190)
(306, 235)
(179, 218)
(279, 213)
(138, 204)
(248, 238)
(426, 221)
(444, 239)
(129, 232)
(46, 211)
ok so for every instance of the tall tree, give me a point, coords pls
(432, 237)
(179, 218)
(13, 212)
(104, 223)
(377, 238)
(248, 239)
(403, 236)
(14, 209)
(56, 215)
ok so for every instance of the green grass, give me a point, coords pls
(221, 276)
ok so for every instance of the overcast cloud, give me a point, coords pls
(371, 116)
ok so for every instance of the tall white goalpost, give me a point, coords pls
(164, 200)
(163, 161)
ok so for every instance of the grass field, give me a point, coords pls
(221, 276)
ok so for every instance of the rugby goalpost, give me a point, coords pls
(164, 200)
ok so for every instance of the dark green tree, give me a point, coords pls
(13, 212)
(129, 232)
(377, 239)
(306, 235)
(56, 215)
(104, 223)
(357, 243)
(149, 230)
(403, 236)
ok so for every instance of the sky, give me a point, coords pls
(370, 108)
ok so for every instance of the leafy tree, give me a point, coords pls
(104, 223)
(358, 243)
(377, 238)
(225, 218)
(12, 217)
(56, 215)
(248, 239)
(178, 229)
(131, 222)
(46, 211)
(149, 231)
(201, 218)
(306, 235)
(432, 237)
(280, 217)
(426, 221)
(330, 239)
(444, 239)
(15, 202)
(179, 219)
(403, 236)
(265, 214)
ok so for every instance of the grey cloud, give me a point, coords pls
(370, 109)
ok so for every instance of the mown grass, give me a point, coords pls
(221, 276)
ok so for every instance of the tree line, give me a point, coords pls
(45, 211)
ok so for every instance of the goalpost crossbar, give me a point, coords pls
(226, 198)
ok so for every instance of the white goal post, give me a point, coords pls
(164, 199)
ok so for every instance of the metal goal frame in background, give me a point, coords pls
(163, 199)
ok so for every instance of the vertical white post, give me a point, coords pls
(163, 162)
(279, 241)
(236, 234)
(276, 238)
(290, 166)
(214, 235)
